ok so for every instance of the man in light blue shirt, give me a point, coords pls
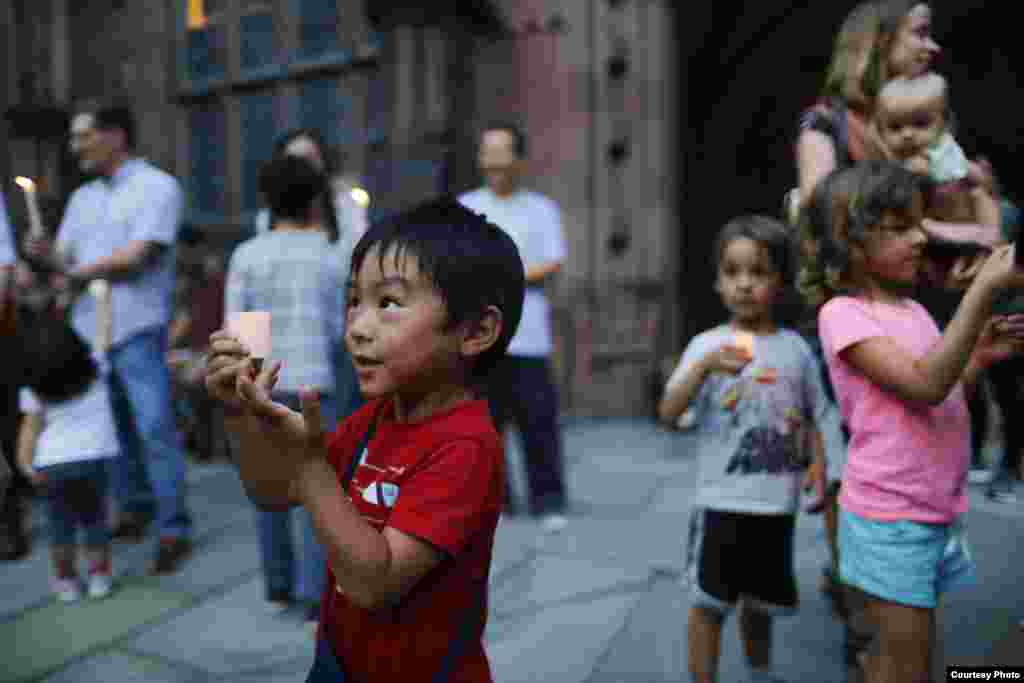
(522, 390)
(122, 226)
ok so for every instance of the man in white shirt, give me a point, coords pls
(122, 226)
(522, 389)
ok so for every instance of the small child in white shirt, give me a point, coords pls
(65, 438)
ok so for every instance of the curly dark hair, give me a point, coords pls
(844, 207)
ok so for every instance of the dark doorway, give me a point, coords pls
(748, 71)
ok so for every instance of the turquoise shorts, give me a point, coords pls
(909, 563)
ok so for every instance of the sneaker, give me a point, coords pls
(67, 590)
(553, 523)
(1002, 496)
(170, 553)
(278, 601)
(130, 527)
(100, 585)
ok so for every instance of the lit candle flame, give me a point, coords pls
(26, 184)
(360, 196)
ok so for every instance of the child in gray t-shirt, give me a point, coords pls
(752, 391)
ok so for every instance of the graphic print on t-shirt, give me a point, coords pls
(773, 444)
(372, 485)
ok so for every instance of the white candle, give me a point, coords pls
(35, 219)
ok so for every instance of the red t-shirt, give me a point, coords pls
(441, 480)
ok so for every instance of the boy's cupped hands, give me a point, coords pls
(233, 381)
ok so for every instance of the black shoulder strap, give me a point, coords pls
(350, 471)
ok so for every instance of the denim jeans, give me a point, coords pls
(302, 577)
(76, 498)
(150, 474)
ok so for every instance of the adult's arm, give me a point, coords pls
(28, 436)
(815, 159)
(986, 208)
(123, 264)
(555, 250)
(154, 228)
(537, 274)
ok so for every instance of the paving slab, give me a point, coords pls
(626, 463)
(294, 671)
(126, 667)
(44, 639)
(218, 562)
(562, 644)
(652, 645)
(549, 580)
(227, 634)
(515, 543)
(623, 438)
(643, 541)
(25, 583)
(592, 485)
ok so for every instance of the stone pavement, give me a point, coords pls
(600, 602)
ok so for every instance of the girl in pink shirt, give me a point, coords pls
(900, 385)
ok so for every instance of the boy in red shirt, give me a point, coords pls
(434, 298)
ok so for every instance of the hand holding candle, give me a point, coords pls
(253, 328)
(745, 342)
(35, 218)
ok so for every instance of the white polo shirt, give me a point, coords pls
(535, 225)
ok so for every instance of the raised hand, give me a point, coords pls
(282, 428)
(729, 359)
(1000, 272)
(1002, 338)
(226, 360)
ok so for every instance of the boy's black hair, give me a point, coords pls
(56, 363)
(472, 263)
(767, 232)
(513, 129)
(290, 185)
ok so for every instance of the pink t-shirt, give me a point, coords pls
(905, 460)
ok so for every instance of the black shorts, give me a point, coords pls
(733, 555)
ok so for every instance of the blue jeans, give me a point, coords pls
(150, 473)
(76, 499)
(303, 577)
